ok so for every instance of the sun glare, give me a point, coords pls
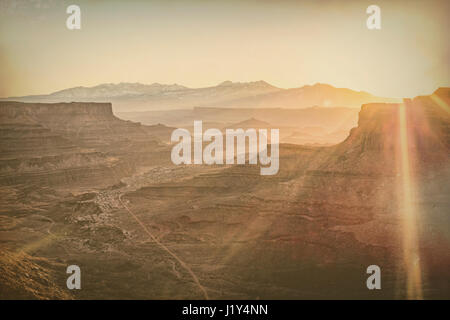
(409, 212)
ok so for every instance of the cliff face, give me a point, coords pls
(93, 124)
(427, 118)
(420, 126)
(67, 142)
(388, 180)
(45, 111)
(30, 138)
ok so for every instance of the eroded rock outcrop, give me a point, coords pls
(60, 143)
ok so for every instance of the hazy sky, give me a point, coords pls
(201, 43)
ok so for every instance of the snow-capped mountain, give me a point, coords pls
(109, 90)
(258, 94)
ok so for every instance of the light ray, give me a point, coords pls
(441, 103)
(409, 213)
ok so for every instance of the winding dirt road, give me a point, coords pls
(162, 246)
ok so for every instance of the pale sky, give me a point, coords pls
(201, 43)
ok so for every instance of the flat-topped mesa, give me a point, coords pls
(91, 124)
(420, 125)
(13, 108)
(55, 114)
(64, 143)
(432, 107)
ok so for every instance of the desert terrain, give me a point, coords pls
(81, 186)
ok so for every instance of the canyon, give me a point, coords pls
(81, 186)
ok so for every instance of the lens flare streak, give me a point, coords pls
(409, 213)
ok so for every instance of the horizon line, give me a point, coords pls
(212, 86)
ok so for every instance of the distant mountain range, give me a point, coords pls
(258, 94)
